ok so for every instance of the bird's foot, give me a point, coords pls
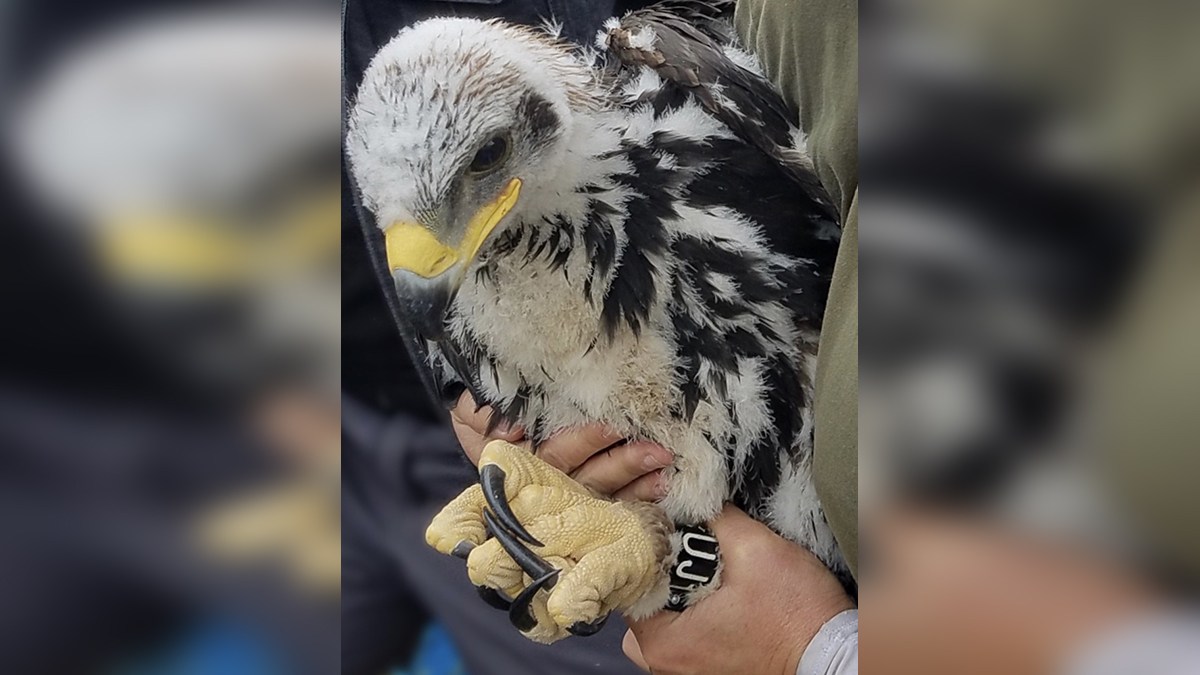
(558, 557)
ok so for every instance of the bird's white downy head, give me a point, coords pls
(454, 119)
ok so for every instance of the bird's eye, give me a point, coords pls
(490, 155)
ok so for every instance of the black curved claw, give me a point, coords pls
(582, 629)
(463, 549)
(519, 614)
(491, 477)
(529, 561)
(494, 598)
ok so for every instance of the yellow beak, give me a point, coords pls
(412, 247)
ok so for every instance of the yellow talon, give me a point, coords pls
(610, 554)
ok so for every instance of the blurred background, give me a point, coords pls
(1030, 291)
(170, 345)
(177, 260)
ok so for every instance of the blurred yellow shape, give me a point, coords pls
(175, 249)
(197, 250)
(297, 524)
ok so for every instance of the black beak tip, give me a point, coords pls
(424, 303)
(430, 327)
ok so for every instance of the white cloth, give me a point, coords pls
(834, 649)
(1162, 644)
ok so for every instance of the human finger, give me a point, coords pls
(609, 471)
(569, 449)
(649, 488)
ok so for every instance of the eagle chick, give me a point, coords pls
(628, 237)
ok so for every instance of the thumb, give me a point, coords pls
(652, 625)
(633, 651)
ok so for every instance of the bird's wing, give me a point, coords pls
(688, 53)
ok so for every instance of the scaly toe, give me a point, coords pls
(567, 610)
(489, 565)
(460, 521)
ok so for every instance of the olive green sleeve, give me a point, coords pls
(809, 48)
(1149, 429)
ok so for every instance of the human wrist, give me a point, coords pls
(833, 649)
(810, 624)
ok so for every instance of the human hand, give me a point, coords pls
(774, 597)
(592, 455)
